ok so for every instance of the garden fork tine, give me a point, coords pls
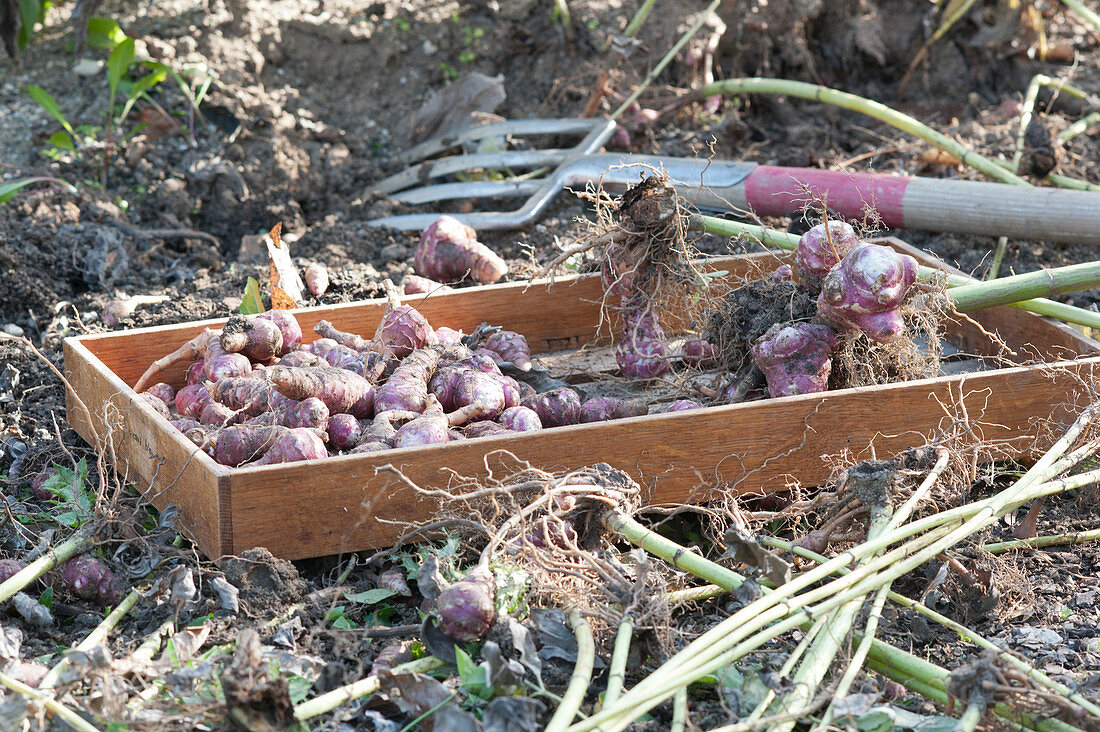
(932, 204)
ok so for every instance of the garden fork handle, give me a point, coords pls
(930, 204)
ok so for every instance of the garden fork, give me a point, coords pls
(901, 202)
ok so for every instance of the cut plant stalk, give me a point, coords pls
(903, 122)
(901, 667)
(363, 687)
(963, 632)
(732, 635)
(64, 551)
(70, 717)
(616, 676)
(782, 240)
(1081, 537)
(581, 678)
(96, 637)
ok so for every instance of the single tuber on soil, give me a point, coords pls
(90, 579)
(465, 609)
(316, 276)
(449, 251)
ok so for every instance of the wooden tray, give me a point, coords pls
(341, 504)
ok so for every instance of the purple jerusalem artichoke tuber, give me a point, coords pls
(465, 609)
(556, 408)
(196, 372)
(603, 409)
(449, 250)
(403, 328)
(339, 389)
(191, 399)
(484, 429)
(288, 326)
(866, 289)
(520, 419)
(407, 387)
(242, 393)
(510, 346)
(336, 354)
(316, 277)
(165, 391)
(259, 339)
(698, 352)
(344, 431)
(479, 395)
(429, 428)
(448, 337)
(156, 403)
(90, 579)
(682, 405)
(220, 364)
(242, 443)
(8, 568)
(821, 248)
(642, 351)
(301, 357)
(796, 358)
(295, 444)
(417, 285)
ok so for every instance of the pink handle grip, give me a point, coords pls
(775, 191)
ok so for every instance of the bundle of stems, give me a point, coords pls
(803, 600)
(1026, 291)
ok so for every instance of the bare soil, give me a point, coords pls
(312, 101)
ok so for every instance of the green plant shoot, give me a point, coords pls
(251, 303)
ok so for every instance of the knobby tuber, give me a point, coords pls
(257, 338)
(244, 394)
(449, 250)
(288, 326)
(556, 408)
(196, 372)
(90, 579)
(448, 337)
(698, 352)
(602, 409)
(191, 399)
(484, 429)
(465, 609)
(243, 443)
(820, 248)
(301, 357)
(407, 387)
(344, 432)
(335, 354)
(221, 364)
(156, 403)
(295, 444)
(316, 277)
(417, 285)
(642, 351)
(163, 391)
(683, 405)
(430, 428)
(480, 393)
(339, 389)
(510, 346)
(866, 289)
(520, 419)
(796, 358)
(403, 328)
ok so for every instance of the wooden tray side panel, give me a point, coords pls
(151, 454)
(341, 505)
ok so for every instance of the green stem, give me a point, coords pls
(617, 673)
(667, 59)
(1079, 127)
(773, 238)
(71, 718)
(362, 687)
(96, 637)
(1087, 14)
(903, 122)
(963, 632)
(1042, 283)
(695, 594)
(783, 607)
(581, 678)
(1000, 547)
(679, 711)
(639, 17)
(62, 552)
